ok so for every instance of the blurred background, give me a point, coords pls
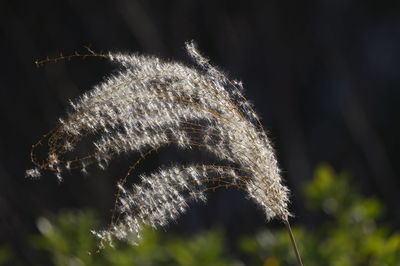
(323, 75)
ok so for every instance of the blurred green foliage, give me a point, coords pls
(348, 235)
(69, 242)
(6, 254)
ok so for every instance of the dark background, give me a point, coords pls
(323, 74)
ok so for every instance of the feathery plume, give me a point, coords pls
(149, 104)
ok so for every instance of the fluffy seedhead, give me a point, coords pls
(149, 104)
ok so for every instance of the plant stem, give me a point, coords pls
(296, 251)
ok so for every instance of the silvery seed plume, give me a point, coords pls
(149, 104)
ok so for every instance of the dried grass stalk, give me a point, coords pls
(149, 104)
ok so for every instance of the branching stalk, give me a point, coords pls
(151, 103)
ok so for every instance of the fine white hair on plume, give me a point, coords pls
(149, 104)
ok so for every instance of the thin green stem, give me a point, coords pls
(295, 249)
